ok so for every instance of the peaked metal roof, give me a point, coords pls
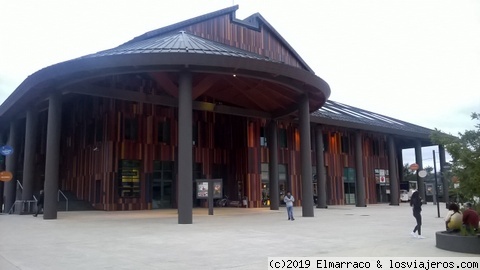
(180, 42)
(338, 114)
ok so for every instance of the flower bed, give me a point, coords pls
(457, 242)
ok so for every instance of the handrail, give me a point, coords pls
(66, 199)
(13, 205)
(19, 184)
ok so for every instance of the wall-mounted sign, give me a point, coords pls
(6, 150)
(382, 177)
(5, 176)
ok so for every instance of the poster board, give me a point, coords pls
(202, 188)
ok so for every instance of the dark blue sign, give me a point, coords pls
(6, 150)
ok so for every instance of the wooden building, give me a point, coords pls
(211, 97)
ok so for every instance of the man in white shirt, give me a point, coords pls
(288, 199)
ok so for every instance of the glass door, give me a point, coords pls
(162, 184)
(162, 193)
(349, 185)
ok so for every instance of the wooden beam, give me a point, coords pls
(288, 111)
(240, 87)
(204, 85)
(105, 92)
(168, 85)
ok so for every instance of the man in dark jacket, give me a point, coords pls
(39, 203)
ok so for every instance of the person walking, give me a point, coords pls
(39, 203)
(289, 199)
(416, 203)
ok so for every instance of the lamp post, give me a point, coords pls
(436, 183)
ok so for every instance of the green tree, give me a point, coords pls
(465, 153)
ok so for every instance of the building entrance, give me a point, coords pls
(161, 193)
(162, 184)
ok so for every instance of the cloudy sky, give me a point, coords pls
(414, 60)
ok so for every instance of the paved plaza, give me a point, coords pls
(233, 238)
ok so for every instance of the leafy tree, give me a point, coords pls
(465, 152)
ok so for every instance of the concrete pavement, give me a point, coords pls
(232, 238)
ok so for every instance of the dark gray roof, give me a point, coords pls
(180, 42)
(338, 114)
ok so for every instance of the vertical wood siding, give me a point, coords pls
(240, 152)
(221, 29)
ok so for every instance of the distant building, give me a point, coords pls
(212, 97)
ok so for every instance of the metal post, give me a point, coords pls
(321, 174)
(29, 156)
(185, 151)
(444, 180)
(419, 161)
(436, 183)
(11, 165)
(306, 158)
(52, 156)
(394, 185)
(359, 181)
(210, 197)
(273, 166)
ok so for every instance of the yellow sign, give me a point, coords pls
(5, 176)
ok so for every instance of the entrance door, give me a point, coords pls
(349, 185)
(162, 193)
(162, 185)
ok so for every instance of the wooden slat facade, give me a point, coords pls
(263, 42)
(226, 146)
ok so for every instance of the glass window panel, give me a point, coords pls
(167, 175)
(129, 178)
